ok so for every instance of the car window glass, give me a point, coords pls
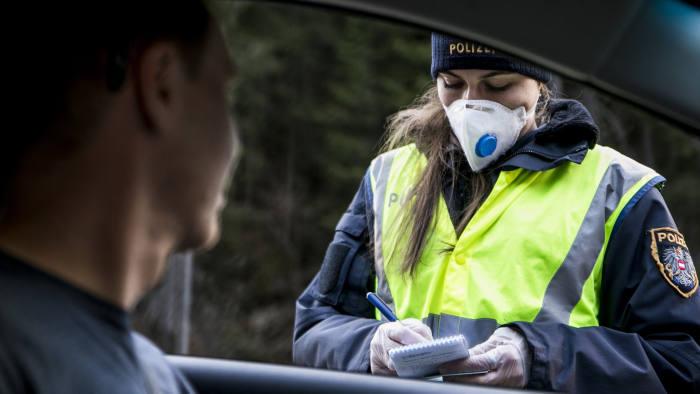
(313, 91)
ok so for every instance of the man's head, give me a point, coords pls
(135, 89)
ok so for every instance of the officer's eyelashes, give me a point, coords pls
(450, 81)
(497, 88)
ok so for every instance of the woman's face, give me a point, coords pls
(508, 88)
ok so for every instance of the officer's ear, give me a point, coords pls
(159, 79)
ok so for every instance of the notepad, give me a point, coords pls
(424, 359)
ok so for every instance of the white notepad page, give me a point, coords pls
(423, 359)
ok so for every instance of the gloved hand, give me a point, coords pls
(506, 355)
(393, 335)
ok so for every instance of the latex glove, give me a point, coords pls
(392, 335)
(506, 355)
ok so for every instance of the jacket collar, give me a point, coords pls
(567, 136)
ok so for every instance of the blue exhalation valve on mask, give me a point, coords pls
(486, 145)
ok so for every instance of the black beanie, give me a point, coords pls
(450, 53)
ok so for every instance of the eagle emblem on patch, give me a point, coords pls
(669, 250)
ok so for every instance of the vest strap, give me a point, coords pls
(564, 290)
(380, 170)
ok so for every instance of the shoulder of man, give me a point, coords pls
(10, 375)
(160, 376)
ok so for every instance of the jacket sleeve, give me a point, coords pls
(334, 323)
(647, 341)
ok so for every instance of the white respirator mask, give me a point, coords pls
(486, 129)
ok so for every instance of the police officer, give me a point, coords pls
(494, 214)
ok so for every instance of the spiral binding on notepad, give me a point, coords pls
(426, 345)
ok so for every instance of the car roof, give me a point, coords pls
(644, 51)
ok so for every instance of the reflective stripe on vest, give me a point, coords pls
(533, 251)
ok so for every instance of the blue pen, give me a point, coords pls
(383, 308)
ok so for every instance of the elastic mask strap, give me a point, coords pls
(533, 109)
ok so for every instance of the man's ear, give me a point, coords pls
(158, 83)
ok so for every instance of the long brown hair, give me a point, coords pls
(425, 124)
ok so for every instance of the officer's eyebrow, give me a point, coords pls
(496, 74)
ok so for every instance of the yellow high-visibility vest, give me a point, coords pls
(532, 252)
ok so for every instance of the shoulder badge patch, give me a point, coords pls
(669, 250)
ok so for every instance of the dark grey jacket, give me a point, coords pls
(647, 341)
